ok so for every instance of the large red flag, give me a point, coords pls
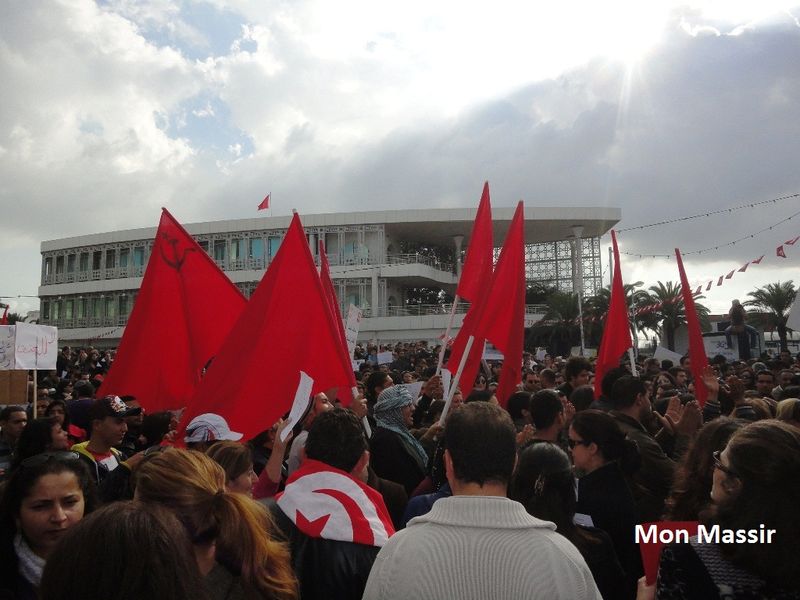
(285, 328)
(265, 202)
(697, 351)
(502, 318)
(478, 263)
(336, 315)
(617, 330)
(184, 310)
(4, 319)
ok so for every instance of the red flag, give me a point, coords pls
(708, 287)
(651, 550)
(4, 320)
(758, 260)
(743, 268)
(333, 305)
(729, 275)
(792, 242)
(502, 317)
(265, 202)
(698, 290)
(779, 251)
(697, 351)
(720, 280)
(286, 327)
(477, 269)
(184, 310)
(617, 331)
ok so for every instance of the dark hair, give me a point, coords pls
(518, 402)
(336, 439)
(235, 458)
(544, 484)
(481, 440)
(433, 413)
(766, 372)
(7, 411)
(479, 396)
(582, 397)
(765, 456)
(34, 439)
(548, 375)
(375, 379)
(600, 428)
(17, 488)
(545, 408)
(610, 378)
(694, 472)
(124, 551)
(625, 391)
(154, 427)
(575, 365)
(791, 391)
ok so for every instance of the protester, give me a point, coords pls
(789, 411)
(206, 429)
(41, 435)
(45, 496)
(237, 462)
(155, 427)
(124, 551)
(396, 454)
(604, 459)
(232, 535)
(12, 421)
(319, 405)
(478, 543)
(58, 410)
(544, 485)
(333, 560)
(755, 488)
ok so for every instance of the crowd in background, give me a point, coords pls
(537, 499)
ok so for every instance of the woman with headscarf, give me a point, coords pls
(394, 453)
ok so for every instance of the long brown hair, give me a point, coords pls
(193, 487)
(233, 457)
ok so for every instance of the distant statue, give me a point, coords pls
(746, 335)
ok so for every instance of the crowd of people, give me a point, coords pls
(538, 495)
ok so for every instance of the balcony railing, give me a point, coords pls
(419, 259)
(419, 310)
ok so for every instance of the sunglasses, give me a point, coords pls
(718, 464)
(40, 459)
(572, 443)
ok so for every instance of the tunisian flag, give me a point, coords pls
(697, 351)
(617, 330)
(333, 305)
(285, 328)
(502, 317)
(185, 308)
(477, 267)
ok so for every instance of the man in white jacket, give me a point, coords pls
(478, 543)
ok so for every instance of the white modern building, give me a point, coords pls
(89, 283)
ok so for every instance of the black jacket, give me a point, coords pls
(326, 569)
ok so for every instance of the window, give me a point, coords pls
(273, 244)
(256, 248)
(83, 263)
(111, 256)
(124, 255)
(219, 249)
(237, 249)
(97, 260)
(56, 310)
(59, 265)
(71, 263)
(81, 308)
(204, 245)
(138, 256)
(123, 305)
(111, 306)
(48, 267)
(46, 311)
(97, 307)
(68, 308)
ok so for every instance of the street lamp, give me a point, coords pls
(577, 277)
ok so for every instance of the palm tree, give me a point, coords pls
(596, 310)
(671, 313)
(559, 330)
(772, 303)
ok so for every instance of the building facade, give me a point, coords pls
(379, 260)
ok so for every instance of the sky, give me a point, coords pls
(112, 109)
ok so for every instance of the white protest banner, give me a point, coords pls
(302, 400)
(413, 388)
(356, 363)
(385, 358)
(351, 327)
(36, 346)
(7, 347)
(662, 353)
(540, 354)
(447, 378)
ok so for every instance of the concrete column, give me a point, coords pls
(376, 309)
(458, 240)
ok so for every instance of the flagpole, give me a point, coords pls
(364, 420)
(447, 334)
(456, 379)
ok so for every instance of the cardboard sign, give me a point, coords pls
(662, 353)
(351, 327)
(7, 347)
(385, 358)
(415, 389)
(26, 346)
(13, 387)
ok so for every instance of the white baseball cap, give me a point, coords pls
(209, 427)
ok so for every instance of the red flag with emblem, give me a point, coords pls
(287, 327)
(185, 308)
